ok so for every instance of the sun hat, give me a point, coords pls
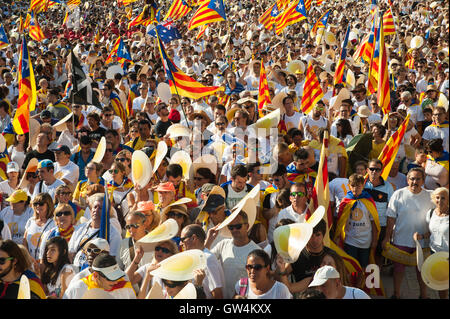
(183, 159)
(161, 151)
(290, 240)
(323, 274)
(141, 168)
(363, 111)
(188, 292)
(164, 232)
(12, 167)
(435, 271)
(100, 152)
(181, 266)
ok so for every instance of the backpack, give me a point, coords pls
(119, 210)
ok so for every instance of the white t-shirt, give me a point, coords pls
(50, 189)
(438, 226)
(338, 189)
(77, 290)
(16, 156)
(289, 212)
(278, 291)
(355, 293)
(70, 171)
(409, 210)
(233, 260)
(398, 181)
(234, 197)
(432, 132)
(314, 125)
(215, 278)
(358, 230)
(292, 121)
(34, 233)
(56, 288)
(5, 188)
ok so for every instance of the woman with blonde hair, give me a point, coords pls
(331, 258)
(41, 221)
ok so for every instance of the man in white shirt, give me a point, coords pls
(138, 102)
(439, 128)
(406, 214)
(48, 182)
(66, 170)
(310, 124)
(291, 117)
(297, 210)
(237, 187)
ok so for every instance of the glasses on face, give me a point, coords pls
(236, 226)
(93, 250)
(123, 159)
(255, 267)
(38, 204)
(31, 175)
(162, 249)
(109, 150)
(135, 226)
(276, 179)
(109, 115)
(248, 106)
(299, 194)
(220, 123)
(134, 131)
(172, 284)
(3, 260)
(65, 193)
(374, 169)
(114, 171)
(64, 213)
(175, 215)
(183, 239)
(90, 168)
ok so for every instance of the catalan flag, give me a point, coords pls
(384, 94)
(373, 75)
(3, 38)
(27, 92)
(72, 4)
(263, 94)
(410, 63)
(268, 18)
(97, 37)
(113, 53)
(182, 84)
(201, 31)
(34, 29)
(308, 4)
(321, 22)
(116, 104)
(295, 13)
(282, 4)
(146, 17)
(369, 44)
(339, 74)
(312, 91)
(66, 17)
(389, 152)
(123, 55)
(210, 11)
(105, 224)
(388, 23)
(132, 93)
(177, 10)
(319, 3)
(38, 5)
(126, 2)
(26, 22)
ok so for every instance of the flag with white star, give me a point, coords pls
(208, 12)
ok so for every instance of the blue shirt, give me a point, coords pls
(77, 158)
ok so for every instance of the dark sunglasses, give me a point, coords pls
(109, 150)
(256, 267)
(113, 171)
(38, 204)
(122, 159)
(375, 169)
(299, 194)
(248, 106)
(172, 284)
(237, 226)
(162, 249)
(108, 115)
(3, 260)
(220, 123)
(127, 227)
(175, 215)
(182, 239)
(65, 213)
(93, 250)
(32, 175)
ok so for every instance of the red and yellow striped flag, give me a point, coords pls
(384, 93)
(177, 10)
(210, 11)
(34, 30)
(146, 17)
(263, 94)
(113, 53)
(319, 3)
(308, 4)
(391, 148)
(201, 31)
(282, 4)
(388, 23)
(65, 18)
(27, 92)
(372, 83)
(410, 63)
(339, 74)
(295, 13)
(38, 5)
(97, 37)
(312, 91)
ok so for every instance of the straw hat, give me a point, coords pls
(141, 168)
(161, 152)
(350, 79)
(277, 100)
(184, 160)
(34, 131)
(181, 266)
(177, 130)
(61, 124)
(246, 99)
(291, 239)
(344, 94)
(179, 208)
(100, 152)
(163, 91)
(165, 231)
(435, 271)
(203, 115)
(188, 292)
(231, 112)
(364, 111)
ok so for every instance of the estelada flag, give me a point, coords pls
(146, 17)
(210, 11)
(312, 91)
(339, 74)
(263, 94)
(3, 38)
(34, 29)
(295, 13)
(321, 22)
(389, 151)
(27, 92)
(179, 82)
(383, 91)
(177, 10)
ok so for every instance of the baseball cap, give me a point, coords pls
(12, 167)
(100, 243)
(107, 265)
(322, 275)
(62, 148)
(45, 163)
(17, 196)
(45, 114)
(213, 202)
(165, 187)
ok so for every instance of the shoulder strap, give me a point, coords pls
(135, 142)
(84, 241)
(243, 286)
(40, 186)
(431, 212)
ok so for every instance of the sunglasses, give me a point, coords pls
(256, 267)
(65, 193)
(172, 284)
(3, 260)
(122, 159)
(276, 180)
(128, 227)
(299, 194)
(90, 168)
(183, 239)
(31, 175)
(237, 226)
(198, 178)
(375, 169)
(248, 106)
(134, 131)
(220, 123)
(109, 150)
(108, 115)
(65, 213)
(175, 215)
(93, 250)
(113, 171)
(162, 249)
(38, 204)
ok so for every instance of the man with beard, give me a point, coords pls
(163, 123)
(237, 187)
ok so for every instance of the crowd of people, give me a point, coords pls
(207, 161)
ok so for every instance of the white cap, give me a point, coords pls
(12, 167)
(99, 243)
(322, 275)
